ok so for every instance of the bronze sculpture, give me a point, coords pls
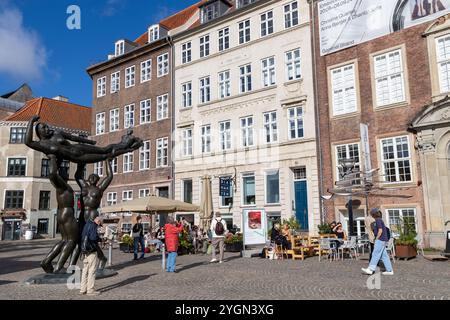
(56, 144)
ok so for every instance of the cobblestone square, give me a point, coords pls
(240, 278)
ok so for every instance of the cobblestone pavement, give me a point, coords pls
(239, 278)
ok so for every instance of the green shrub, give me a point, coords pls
(407, 234)
(292, 223)
(324, 228)
(127, 239)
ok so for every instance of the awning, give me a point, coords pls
(151, 204)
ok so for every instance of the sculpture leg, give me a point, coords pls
(75, 255)
(72, 234)
(46, 264)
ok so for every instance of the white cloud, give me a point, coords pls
(112, 7)
(22, 55)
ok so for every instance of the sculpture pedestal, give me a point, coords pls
(64, 278)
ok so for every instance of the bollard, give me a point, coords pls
(163, 257)
(110, 254)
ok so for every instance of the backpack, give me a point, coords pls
(219, 229)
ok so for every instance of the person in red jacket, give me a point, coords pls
(172, 229)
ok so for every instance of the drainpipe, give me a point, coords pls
(172, 111)
(312, 4)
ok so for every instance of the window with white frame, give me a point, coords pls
(153, 33)
(114, 120)
(127, 195)
(115, 82)
(293, 65)
(389, 78)
(210, 12)
(348, 151)
(130, 76)
(119, 48)
(144, 156)
(295, 118)
(396, 159)
(128, 162)
(146, 70)
(111, 198)
(186, 93)
(17, 167)
(205, 90)
(186, 142)
(126, 227)
(273, 187)
(244, 31)
(224, 39)
(145, 111)
(187, 190)
(268, 71)
(162, 152)
(144, 193)
(343, 90)
(248, 189)
(224, 84)
(243, 3)
(443, 61)
(204, 46)
(247, 131)
(291, 14)
(128, 120)
(186, 52)
(266, 23)
(206, 138)
(115, 166)
(270, 127)
(163, 65)
(100, 123)
(101, 87)
(402, 217)
(245, 78)
(225, 135)
(162, 107)
(98, 169)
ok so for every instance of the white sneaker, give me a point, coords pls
(388, 273)
(367, 271)
(220, 261)
(213, 260)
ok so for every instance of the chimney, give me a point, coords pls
(61, 98)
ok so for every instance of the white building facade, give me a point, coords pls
(244, 111)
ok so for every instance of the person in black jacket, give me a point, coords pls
(138, 238)
(89, 245)
(278, 238)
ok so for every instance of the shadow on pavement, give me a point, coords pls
(6, 282)
(11, 265)
(126, 282)
(197, 264)
(136, 262)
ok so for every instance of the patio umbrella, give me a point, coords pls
(151, 204)
(206, 207)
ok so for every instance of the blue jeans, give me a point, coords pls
(171, 261)
(379, 252)
(137, 241)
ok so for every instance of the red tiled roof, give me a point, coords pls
(173, 22)
(56, 113)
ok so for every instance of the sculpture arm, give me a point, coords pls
(29, 135)
(109, 176)
(75, 138)
(79, 176)
(57, 181)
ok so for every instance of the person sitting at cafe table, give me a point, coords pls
(340, 233)
(286, 231)
(278, 238)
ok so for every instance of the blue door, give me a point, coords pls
(301, 204)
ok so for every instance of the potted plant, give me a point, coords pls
(406, 243)
(185, 246)
(292, 222)
(234, 242)
(126, 244)
(324, 228)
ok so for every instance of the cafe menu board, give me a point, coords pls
(254, 226)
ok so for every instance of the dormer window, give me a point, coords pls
(120, 48)
(210, 12)
(153, 33)
(243, 3)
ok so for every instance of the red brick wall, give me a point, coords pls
(380, 122)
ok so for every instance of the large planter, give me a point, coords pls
(124, 247)
(405, 252)
(234, 247)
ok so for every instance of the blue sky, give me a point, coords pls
(36, 47)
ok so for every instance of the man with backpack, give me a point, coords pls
(89, 245)
(218, 230)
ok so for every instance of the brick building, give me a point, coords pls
(132, 90)
(392, 83)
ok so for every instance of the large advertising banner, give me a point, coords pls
(254, 226)
(345, 23)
